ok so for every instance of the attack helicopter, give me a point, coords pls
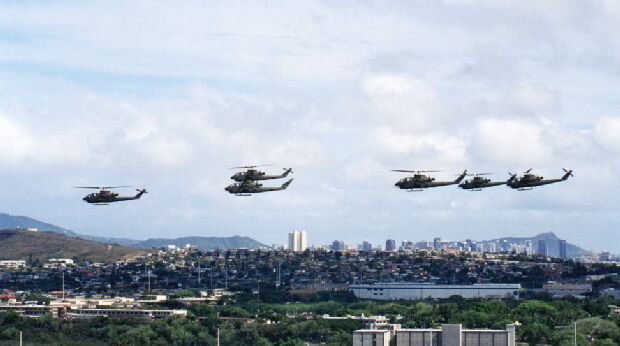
(420, 181)
(248, 187)
(105, 196)
(529, 181)
(246, 182)
(253, 174)
(479, 182)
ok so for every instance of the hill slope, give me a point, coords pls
(20, 244)
(13, 221)
(204, 243)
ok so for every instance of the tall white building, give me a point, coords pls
(298, 241)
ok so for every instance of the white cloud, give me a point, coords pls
(510, 142)
(171, 95)
(16, 144)
(607, 133)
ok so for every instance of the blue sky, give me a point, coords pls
(168, 96)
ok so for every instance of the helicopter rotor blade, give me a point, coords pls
(414, 171)
(101, 187)
(250, 166)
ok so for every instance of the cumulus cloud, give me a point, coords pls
(607, 133)
(16, 144)
(170, 96)
(510, 142)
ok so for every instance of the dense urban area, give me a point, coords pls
(187, 296)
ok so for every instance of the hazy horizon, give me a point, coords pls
(168, 96)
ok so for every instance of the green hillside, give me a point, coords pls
(20, 244)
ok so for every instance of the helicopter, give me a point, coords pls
(420, 181)
(529, 181)
(252, 174)
(105, 196)
(478, 182)
(248, 187)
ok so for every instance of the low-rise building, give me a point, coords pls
(415, 291)
(372, 337)
(13, 264)
(447, 335)
(567, 289)
(125, 313)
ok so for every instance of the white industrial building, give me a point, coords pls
(12, 264)
(447, 335)
(298, 241)
(420, 291)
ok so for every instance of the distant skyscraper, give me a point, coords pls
(437, 243)
(562, 246)
(492, 248)
(407, 245)
(298, 241)
(542, 247)
(529, 248)
(390, 245)
(338, 245)
(366, 246)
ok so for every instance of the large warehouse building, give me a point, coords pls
(416, 291)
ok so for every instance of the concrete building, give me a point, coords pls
(13, 264)
(372, 337)
(567, 289)
(338, 245)
(390, 245)
(414, 291)
(298, 241)
(529, 248)
(562, 247)
(365, 246)
(542, 247)
(124, 313)
(447, 335)
(437, 243)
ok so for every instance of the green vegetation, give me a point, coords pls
(543, 322)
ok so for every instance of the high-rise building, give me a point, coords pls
(407, 245)
(390, 245)
(529, 248)
(562, 246)
(298, 241)
(492, 248)
(542, 247)
(437, 243)
(338, 245)
(365, 246)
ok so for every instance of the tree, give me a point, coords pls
(536, 333)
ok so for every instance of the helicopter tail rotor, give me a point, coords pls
(567, 173)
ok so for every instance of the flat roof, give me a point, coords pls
(434, 286)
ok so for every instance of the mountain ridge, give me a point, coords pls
(551, 242)
(8, 221)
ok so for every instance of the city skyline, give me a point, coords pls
(342, 93)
